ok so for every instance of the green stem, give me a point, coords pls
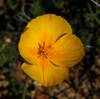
(24, 90)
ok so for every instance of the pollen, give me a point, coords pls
(42, 50)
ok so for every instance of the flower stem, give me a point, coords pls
(24, 90)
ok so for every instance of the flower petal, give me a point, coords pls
(28, 46)
(33, 71)
(67, 51)
(50, 23)
(45, 76)
(55, 74)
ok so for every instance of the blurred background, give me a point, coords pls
(84, 78)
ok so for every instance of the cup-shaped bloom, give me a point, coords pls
(49, 48)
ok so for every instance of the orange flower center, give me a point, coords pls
(43, 50)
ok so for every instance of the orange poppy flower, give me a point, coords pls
(50, 48)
